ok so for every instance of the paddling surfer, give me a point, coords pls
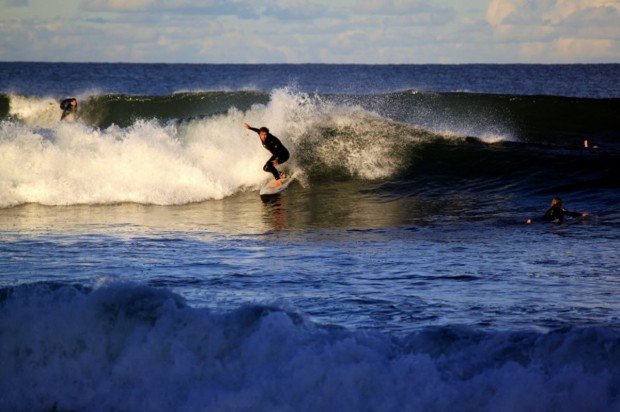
(277, 149)
(556, 212)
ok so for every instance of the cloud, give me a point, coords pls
(499, 10)
(424, 19)
(67, 40)
(397, 7)
(568, 50)
(241, 9)
(115, 5)
(557, 30)
(16, 3)
(550, 12)
(407, 12)
(298, 11)
(596, 17)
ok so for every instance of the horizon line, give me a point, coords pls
(314, 63)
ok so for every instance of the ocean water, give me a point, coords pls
(141, 270)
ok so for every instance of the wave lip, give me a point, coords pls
(526, 118)
(134, 347)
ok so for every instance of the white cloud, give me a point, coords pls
(498, 10)
(549, 12)
(566, 48)
(558, 30)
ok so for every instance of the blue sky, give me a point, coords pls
(312, 31)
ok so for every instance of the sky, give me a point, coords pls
(311, 31)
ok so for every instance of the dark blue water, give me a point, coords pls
(59, 79)
(141, 270)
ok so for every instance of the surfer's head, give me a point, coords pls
(263, 132)
(556, 202)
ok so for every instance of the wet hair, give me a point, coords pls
(556, 202)
(263, 129)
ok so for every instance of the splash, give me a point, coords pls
(145, 163)
(35, 111)
(196, 160)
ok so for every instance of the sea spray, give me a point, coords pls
(145, 163)
(35, 111)
(200, 159)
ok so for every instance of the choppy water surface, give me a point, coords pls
(341, 256)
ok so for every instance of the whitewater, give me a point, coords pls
(59, 163)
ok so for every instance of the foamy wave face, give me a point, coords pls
(145, 163)
(339, 138)
(71, 163)
(138, 348)
(35, 111)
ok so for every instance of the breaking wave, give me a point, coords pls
(190, 147)
(135, 347)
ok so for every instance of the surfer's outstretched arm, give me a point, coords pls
(575, 214)
(254, 129)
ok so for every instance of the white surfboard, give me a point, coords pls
(271, 189)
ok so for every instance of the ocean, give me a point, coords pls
(141, 270)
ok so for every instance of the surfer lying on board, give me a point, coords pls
(556, 213)
(68, 106)
(277, 149)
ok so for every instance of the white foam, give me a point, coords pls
(492, 138)
(136, 348)
(211, 158)
(485, 137)
(35, 111)
(145, 163)
(42, 111)
(364, 143)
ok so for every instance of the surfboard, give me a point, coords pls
(270, 189)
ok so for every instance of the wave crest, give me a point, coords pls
(194, 160)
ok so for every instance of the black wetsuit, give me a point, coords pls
(557, 214)
(277, 149)
(66, 107)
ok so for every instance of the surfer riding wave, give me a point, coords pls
(279, 153)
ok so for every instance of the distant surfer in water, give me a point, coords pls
(556, 213)
(68, 107)
(587, 145)
(277, 149)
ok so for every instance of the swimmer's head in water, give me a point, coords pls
(556, 202)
